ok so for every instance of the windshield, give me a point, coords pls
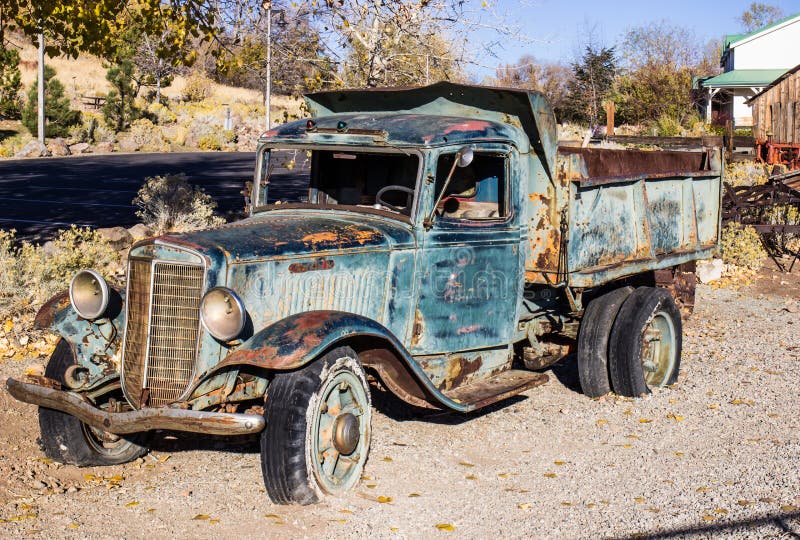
(330, 178)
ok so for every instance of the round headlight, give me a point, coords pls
(222, 313)
(88, 294)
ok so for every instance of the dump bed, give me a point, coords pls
(630, 211)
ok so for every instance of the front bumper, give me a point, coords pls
(135, 421)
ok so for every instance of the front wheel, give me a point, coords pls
(317, 434)
(646, 341)
(66, 439)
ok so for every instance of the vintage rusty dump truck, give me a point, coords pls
(445, 249)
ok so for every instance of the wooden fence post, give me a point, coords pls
(610, 109)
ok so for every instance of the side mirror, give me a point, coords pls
(465, 156)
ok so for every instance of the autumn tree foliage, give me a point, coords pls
(550, 78)
(759, 15)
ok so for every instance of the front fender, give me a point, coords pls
(299, 339)
(96, 344)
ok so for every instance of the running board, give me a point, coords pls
(501, 386)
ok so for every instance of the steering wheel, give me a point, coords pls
(408, 191)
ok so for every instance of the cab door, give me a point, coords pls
(469, 277)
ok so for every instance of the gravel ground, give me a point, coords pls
(717, 455)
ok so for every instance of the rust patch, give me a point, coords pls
(316, 238)
(319, 264)
(46, 315)
(459, 371)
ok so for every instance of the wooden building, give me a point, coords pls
(776, 110)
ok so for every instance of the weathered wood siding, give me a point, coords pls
(777, 111)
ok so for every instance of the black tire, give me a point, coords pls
(646, 341)
(297, 401)
(66, 439)
(595, 331)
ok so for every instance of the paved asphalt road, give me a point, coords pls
(39, 196)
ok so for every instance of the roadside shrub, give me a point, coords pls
(146, 135)
(120, 107)
(30, 274)
(197, 88)
(742, 246)
(169, 203)
(216, 139)
(13, 144)
(10, 83)
(161, 114)
(747, 173)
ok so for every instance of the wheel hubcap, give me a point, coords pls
(345, 433)
(340, 434)
(659, 350)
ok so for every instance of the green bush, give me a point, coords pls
(161, 114)
(667, 126)
(10, 83)
(198, 87)
(170, 203)
(742, 246)
(30, 274)
(216, 139)
(58, 115)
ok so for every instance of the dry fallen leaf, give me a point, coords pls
(708, 518)
(702, 489)
(343, 511)
(388, 459)
(675, 417)
(645, 420)
(372, 486)
(631, 436)
(602, 422)
(788, 508)
(720, 511)
(524, 506)
(73, 526)
(394, 529)
(471, 477)
(132, 503)
(550, 475)
(201, 517)
(713, 406)
(559, 463)
(745, 502)
(639, 499)
(413, 494)
(382, 499)
(445, 527)
(466, 464)
(503, 475)
(276, 516)
(679, 454)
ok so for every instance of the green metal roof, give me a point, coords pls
(744, 77)
(733, 39)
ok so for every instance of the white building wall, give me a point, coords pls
(777, 49)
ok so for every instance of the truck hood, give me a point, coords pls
(285, 233)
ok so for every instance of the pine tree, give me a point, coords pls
(57, 113)
(119, 109)
(593, 80)
(10, 84)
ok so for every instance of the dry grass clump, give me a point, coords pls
(741, 246)
(747, 173)
(30, 274)
(170, 204)
(198, 87)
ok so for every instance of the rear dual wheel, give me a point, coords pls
(630, 341)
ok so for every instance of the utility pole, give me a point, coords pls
(41, 88)
(268, 98)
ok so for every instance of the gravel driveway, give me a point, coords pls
(717, 455)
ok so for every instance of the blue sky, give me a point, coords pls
(557, 25)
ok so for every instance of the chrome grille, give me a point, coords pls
(163, 325)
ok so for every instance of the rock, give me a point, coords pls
(128, 145)
(58, 147)
(104, 147)
(79, 148)
(36, 484)
(32, 150)
(118, 237)
(49, 247)
(708, 271)
(139, 231)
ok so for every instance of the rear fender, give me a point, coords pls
(96, 345)
(299, 339)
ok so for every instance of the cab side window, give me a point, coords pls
(476, 192)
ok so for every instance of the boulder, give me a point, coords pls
(118, 237)
(32, 150)
(140, 231)
(49, 248)
(708, 271)
(58, 147)
(104, 147)
(128, 145)
(79, 148)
